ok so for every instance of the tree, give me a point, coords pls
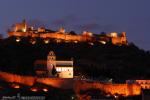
(103, 33)
(72, 33)
(54, 72)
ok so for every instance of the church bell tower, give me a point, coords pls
(51, 62)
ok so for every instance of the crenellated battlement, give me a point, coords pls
(23, 30)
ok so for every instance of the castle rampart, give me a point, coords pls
(22, 30)
(77, 85)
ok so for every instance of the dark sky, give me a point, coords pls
(132, 16)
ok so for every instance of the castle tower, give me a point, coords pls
(24, 24)
(20, 26)
(123, 38)
(51, 62)
(61, 30)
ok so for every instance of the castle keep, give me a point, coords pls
(23, 30)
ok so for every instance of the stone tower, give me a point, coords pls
(123, 38)
(24, 24)
(21, 27)
(51, 62)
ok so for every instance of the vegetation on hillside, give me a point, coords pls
(97, 61)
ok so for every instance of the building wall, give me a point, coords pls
(66, 37)
(122, 89)
(119, 40)
(26, 80)
(77, 85)
(65, 72)
(145, 84)
(61, 34)
(64, 68)
(115, 39)
(20, 26)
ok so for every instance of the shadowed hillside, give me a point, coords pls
(98, 60)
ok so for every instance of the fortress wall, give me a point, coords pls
(29, 80)
(145, 84)
(64, 36)
(74, 37)
(57, 82)
(136, 89)
(118, 40)
(52, 35)
(115, 89)
(122, 89)
(26, 80)
(18, 34)
(77, 85)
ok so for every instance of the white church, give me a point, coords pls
(54, 68)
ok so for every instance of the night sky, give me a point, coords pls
(132, 16)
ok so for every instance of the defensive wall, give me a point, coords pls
(77, 85)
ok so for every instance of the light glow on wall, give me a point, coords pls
(45, 90)
(34, 89)
(102, 42)
(18, 39)
(23, 30)
(46, 41)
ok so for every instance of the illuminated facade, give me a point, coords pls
(23, 30)
(145, 84)
(125, 90)
(55, 68)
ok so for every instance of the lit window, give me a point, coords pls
(62, 69)
(65, 69)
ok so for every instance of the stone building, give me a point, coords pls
(23, 30)
(54, 68)
(145, 84)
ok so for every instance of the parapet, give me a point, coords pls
(23, 30)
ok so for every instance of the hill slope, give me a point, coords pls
(100, 61)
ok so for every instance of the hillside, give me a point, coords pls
(98, 60)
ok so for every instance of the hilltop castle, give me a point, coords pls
(23, 30)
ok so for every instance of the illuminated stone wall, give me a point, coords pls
(21, 30)
(119, 40)
(57, 82)
(77, 85)
(67, 37)
(26, 80)
(61, 36)
(122, 89)
(145, 84)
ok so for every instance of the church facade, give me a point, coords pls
(54, 68)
